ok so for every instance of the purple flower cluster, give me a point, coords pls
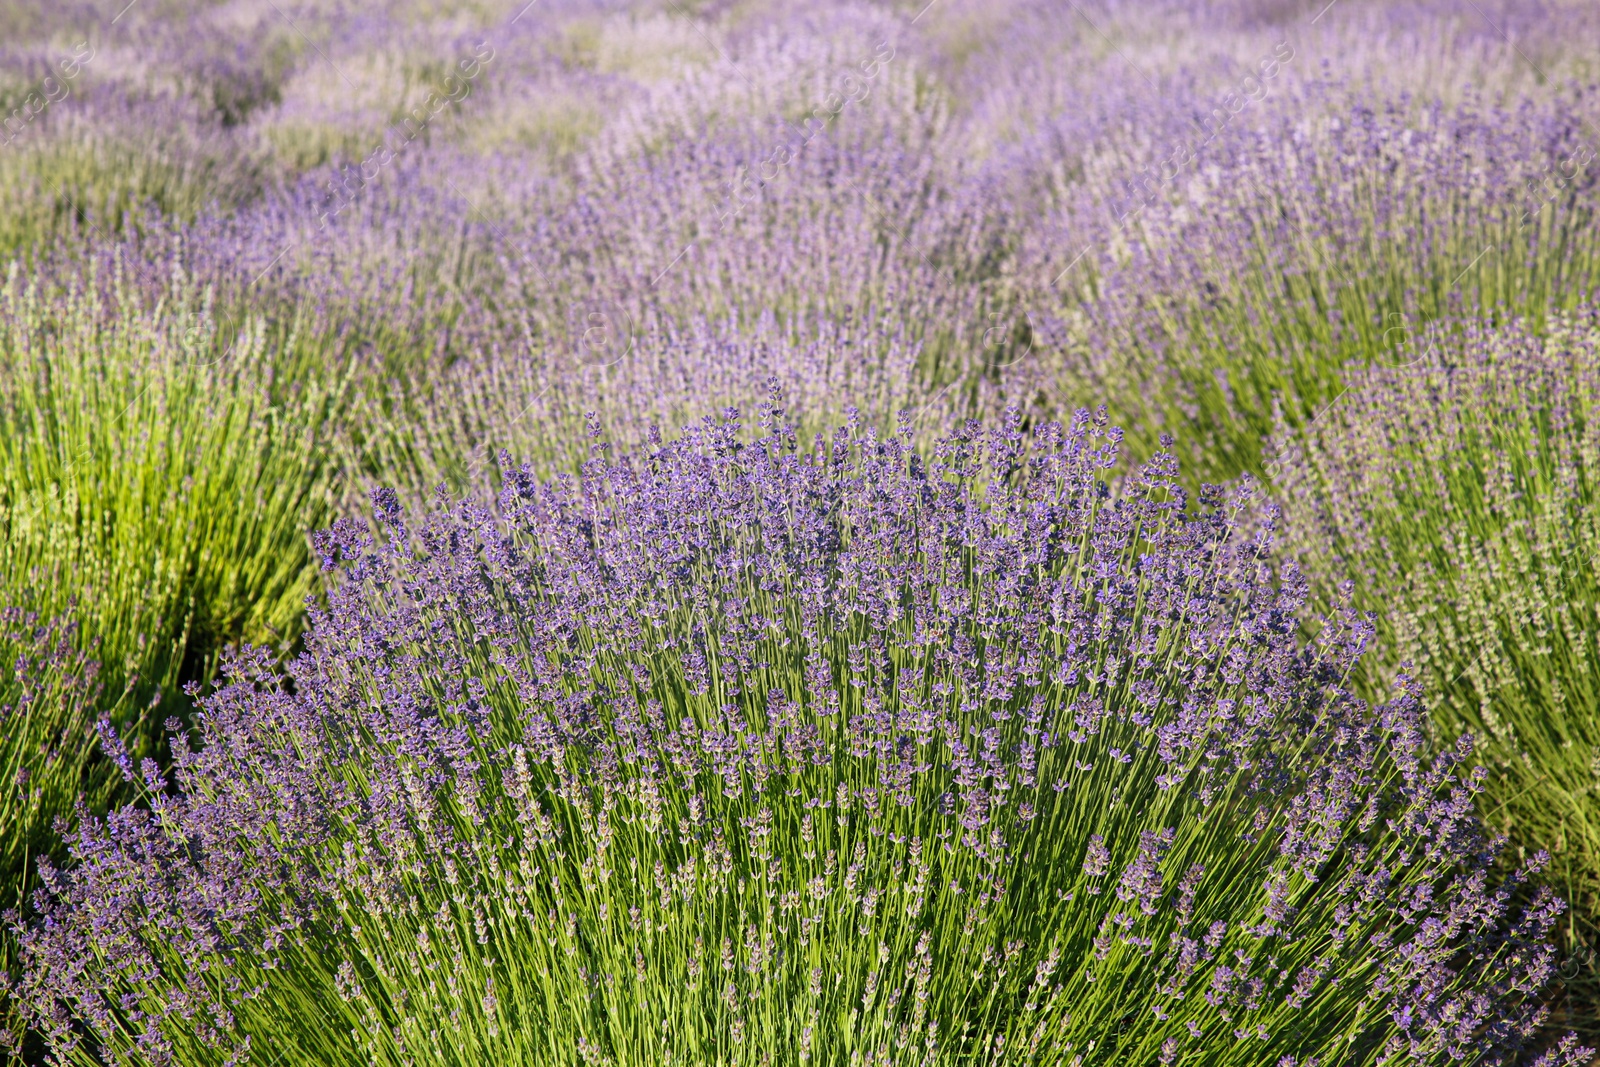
(1054, 746)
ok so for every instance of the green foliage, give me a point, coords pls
(160, 472)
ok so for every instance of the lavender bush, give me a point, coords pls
(1459, 496)
(157, 472)
(157, 465)
(736, 751)
(1303, 245)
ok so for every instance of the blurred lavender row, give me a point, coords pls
(1022, 203)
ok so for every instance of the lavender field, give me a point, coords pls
(627, 533)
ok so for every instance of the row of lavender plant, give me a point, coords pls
(742, 752)
(1244, 300)
(1190, 263)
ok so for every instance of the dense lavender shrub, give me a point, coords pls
(984, 218)
(1457, 496)
(737, 751)
(158, 468)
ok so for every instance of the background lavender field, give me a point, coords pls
(539, 309)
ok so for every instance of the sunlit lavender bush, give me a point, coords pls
(737, 751)
(1457, 496)
(266, 256)
(157, 466)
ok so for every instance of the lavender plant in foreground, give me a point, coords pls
(735, 751)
